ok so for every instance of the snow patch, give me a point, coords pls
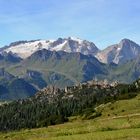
(80, 41)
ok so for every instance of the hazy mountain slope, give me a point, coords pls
(12, 87)
(7, 59)
(35, 78)
(5, 76)
(76, 66)
(119, 53)
(16, 89)
(19, 88)
(43, 78)
(125, 73)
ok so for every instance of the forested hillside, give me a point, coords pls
(52, 106)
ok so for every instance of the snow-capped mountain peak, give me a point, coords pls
(24, 49)
(119, 53)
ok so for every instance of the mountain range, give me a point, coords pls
(28, 66)
(24, 49)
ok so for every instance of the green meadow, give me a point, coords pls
(120, 120)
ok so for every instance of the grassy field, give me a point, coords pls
(120, 120)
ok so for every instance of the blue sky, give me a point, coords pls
(104, 22)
